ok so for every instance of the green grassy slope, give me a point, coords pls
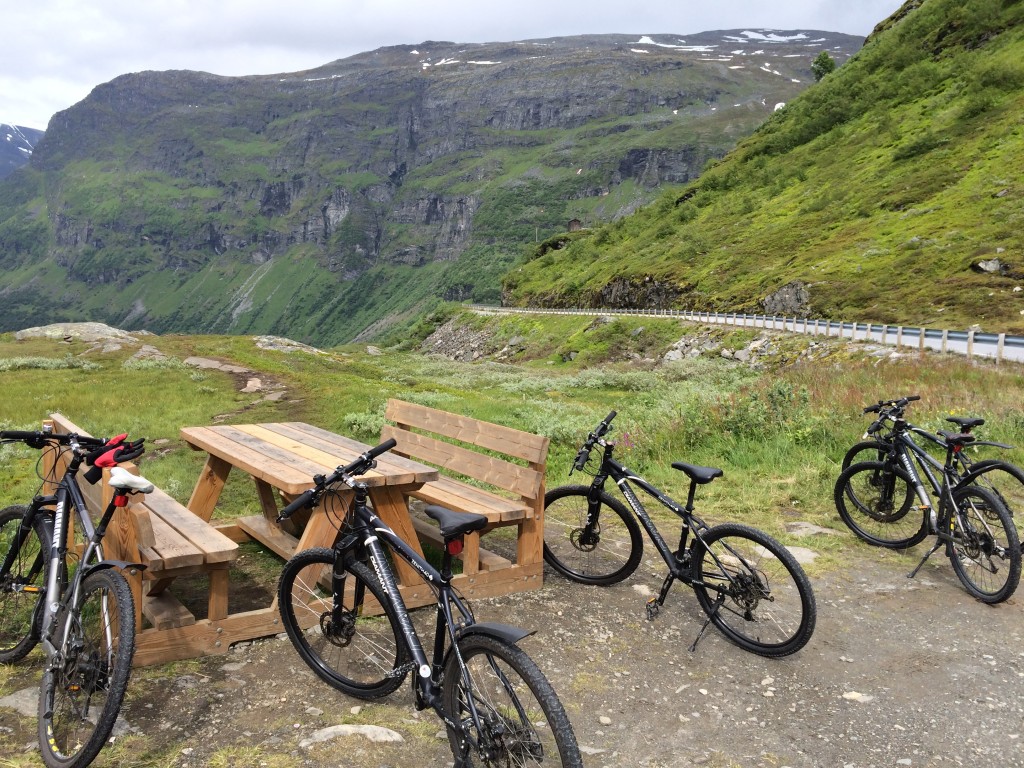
(879, 188)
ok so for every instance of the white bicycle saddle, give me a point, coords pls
(125, 480)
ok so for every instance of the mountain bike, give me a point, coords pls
(1004, 479)
(876, 500)
(344, 614)
(70, 598)
(749, 585)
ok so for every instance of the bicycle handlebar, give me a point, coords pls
(583, 456)
(39, 439)
(310, 498)
(891, 404)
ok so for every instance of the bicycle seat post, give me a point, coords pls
(689, 496)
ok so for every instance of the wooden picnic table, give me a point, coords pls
(282, 459)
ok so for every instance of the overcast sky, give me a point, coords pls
(56, 51)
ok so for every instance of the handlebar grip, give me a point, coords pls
(873, 408)
(384, 447)
(875, 427)
(302, 500)
(581, 459)
(19, 434)
(912, 398)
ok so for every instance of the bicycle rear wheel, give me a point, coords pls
(986, 550)
(22, 587)
(522, 722)
(753, 589)
(605, 552)
(876, 501)
(79, 699)
(352, 646)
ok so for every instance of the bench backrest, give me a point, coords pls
(525, 481)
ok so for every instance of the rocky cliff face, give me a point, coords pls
(439, 157)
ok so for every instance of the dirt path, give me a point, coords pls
(899, 673)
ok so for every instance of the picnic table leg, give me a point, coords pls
(322, 528)
(217, 608)
(392, 508)
(208, 487)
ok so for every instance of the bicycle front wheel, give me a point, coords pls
(604, 552)
(753, 590)
(356, 646)
(520, 720)
(876, 501)
(866, 450)
(986, 550)
(22, 586)
(81, 697)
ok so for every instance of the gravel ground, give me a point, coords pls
(899, 673)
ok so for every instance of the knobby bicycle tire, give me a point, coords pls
(80, 699)
(876, 501)
(522, 720)
(609, 554)
(763, 602)
(356, 649)
(985, 552)
(20, 610)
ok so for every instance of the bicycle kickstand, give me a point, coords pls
(930, 552)
(718, 604)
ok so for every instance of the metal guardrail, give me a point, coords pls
(998, 346)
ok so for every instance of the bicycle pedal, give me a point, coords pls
(653, 607)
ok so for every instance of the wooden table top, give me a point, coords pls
(287, 455)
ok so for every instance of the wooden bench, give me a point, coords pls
(171, 542)
(508, 491)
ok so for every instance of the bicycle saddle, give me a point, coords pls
(699, 475)
(124, 480)
(966, 423)
(954, 438)
(455, 524)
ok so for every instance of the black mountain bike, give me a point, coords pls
(876, 499)
(749, 585)
(1003, 478)
(72, 599)
(346, 618)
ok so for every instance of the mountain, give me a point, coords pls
(345, 200)
(16, 145)
(888, 192)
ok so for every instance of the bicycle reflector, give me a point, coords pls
(454, 546)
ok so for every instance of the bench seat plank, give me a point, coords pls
(214, 545)
(466, 498)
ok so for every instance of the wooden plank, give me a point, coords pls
(272, 537)
(205, 637)
(283, 475)
(517, 479)
(391, 506)
(287, 448)
(398, 470)
(172, 549)
(209, 486)
(215, 546)
(217, 606)
(495, 437)
(165, 611)
(340, 451)
(467, 498)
